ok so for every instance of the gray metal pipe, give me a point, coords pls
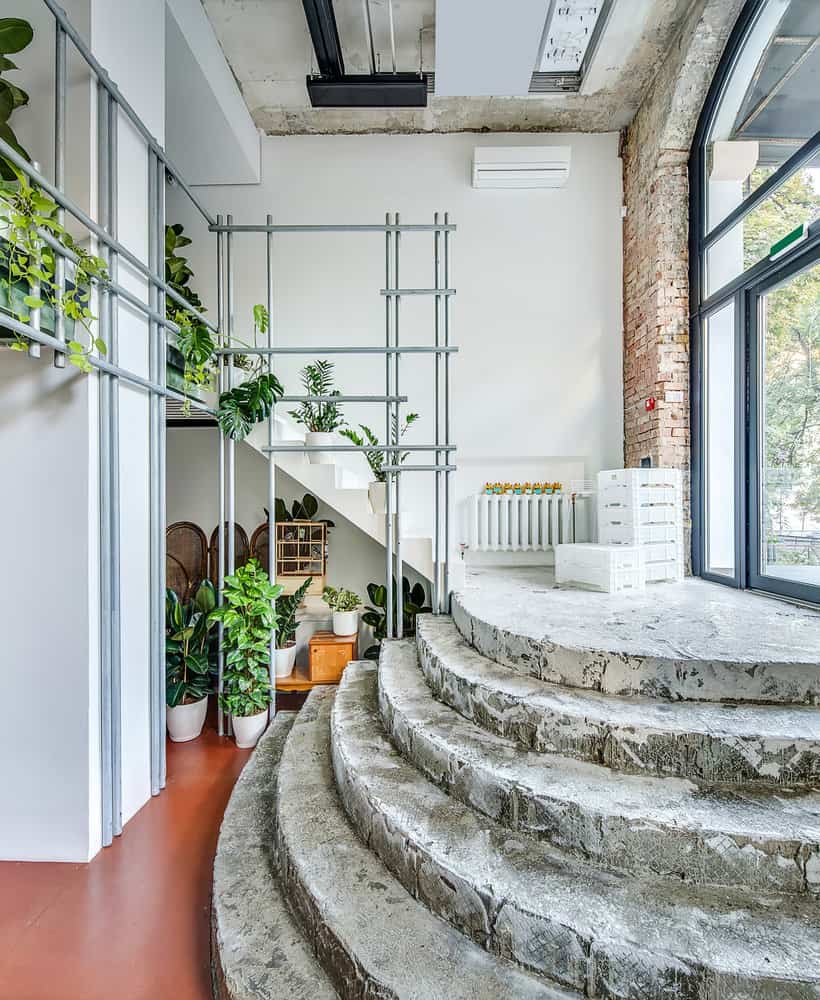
(153, 420)
(438, 292)
(108, 84)
(396, 299)
(162, 335)
(220, 573)
(271, 465)
(343, 399)
(437, 467)
(329, 229)
(227, 351)
(437, 406)
(298, 449)
(388, 523)
(448, 474)
(59, 175)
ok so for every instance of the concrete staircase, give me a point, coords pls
(446, 825)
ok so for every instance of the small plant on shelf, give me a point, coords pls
(414, 603)
(345, 606)
(248, 620)
(187, 662)
(320, 419)
(376, 457)
(286, 607)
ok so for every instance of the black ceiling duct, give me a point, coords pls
(333, 89)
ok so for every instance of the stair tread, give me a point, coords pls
(594, 809)
(260, 953)
(364, 919)
(717, 936)
(697, 642)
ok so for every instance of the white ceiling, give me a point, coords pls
(268, 47)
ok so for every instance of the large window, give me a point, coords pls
(755, 282)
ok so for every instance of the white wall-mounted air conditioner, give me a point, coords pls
(521, 166)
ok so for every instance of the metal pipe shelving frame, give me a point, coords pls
(392, 350)
(111, 107)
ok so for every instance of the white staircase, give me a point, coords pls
(343, 486)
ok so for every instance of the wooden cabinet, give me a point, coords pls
(328, 655)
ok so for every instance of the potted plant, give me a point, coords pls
(286, 608)
(345, 606)
(248, 620)
(414, 602)
(187, 666)
(323, 418)
(377, 490)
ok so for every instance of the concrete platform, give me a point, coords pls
(681, 641)
(759, 838)
(603, 934)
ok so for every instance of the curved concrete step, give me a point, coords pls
(610, 935)
(759, 838)
(697, 740)
(258, 951)
(374, 940)
(692, 641)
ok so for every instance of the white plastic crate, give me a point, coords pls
(608, 568)
(621, 532)
(669, 570)
(636, 496)
(638, 478)
(661, 552)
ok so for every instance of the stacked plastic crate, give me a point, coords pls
(610, 568)
(644, 508)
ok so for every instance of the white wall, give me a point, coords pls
(49, 446)
(538, 311)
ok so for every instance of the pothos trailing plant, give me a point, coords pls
(246, 404)
(26, 258)
(249, 619)
(374, 455)
(317, 380)
(193, 338)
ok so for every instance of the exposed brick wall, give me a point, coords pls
(655, 152)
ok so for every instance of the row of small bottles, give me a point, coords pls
(519, 489)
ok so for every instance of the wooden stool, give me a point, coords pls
(329, 654)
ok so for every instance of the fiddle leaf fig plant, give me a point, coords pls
(248, 620)
(27, 259)
(15, 35)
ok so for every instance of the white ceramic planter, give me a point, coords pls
(377, 493)
(185, 722)
(345, 622)
(284, 660)
(248, 728)
(320, 438)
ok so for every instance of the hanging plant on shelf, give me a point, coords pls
(15, 35)
(244, 405)
(193, 340)
(27, 269)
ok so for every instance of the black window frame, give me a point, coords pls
(743, 291)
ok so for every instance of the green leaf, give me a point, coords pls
(33, 302)
(15, 34)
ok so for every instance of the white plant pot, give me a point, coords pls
(320, 438)
(377, 493)
(345, 622)
(185, 722)
(248, 728)
(284, 661)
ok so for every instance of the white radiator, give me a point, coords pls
(504, 522)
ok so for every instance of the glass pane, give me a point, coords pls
(719, 440)
(796, 200)
(790, 429)
(769, 106)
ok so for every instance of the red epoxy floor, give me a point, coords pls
(134, 923)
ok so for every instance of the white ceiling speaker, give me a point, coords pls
(521, 166)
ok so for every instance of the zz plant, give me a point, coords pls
(249, 620)
(286, 607)
(374, 455)
(187, 632)
(318, 380)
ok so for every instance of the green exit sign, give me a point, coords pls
(788, 241)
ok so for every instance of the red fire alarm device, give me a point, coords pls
(650, 404)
